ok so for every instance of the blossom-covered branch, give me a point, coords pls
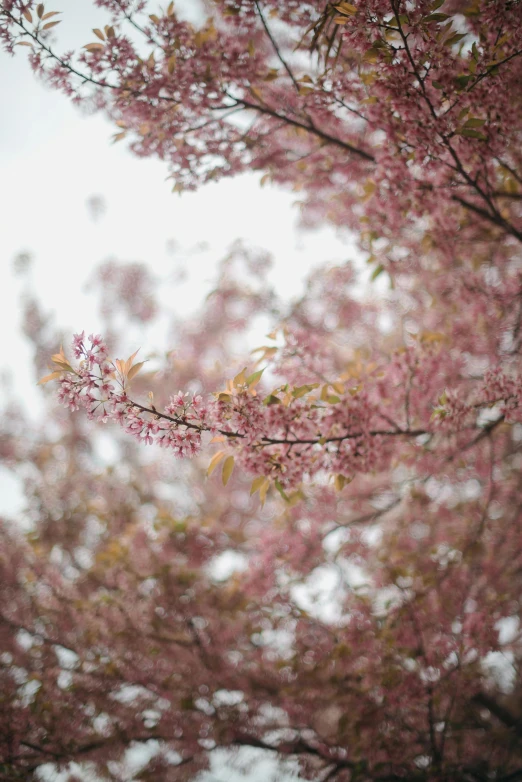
(287, 435)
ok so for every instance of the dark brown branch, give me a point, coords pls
(275, 46)
(309, 128)
(55, 57)
(499, 711)
(297, 747)
(492, 217)
(283, 440)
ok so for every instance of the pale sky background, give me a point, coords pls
(53, 160)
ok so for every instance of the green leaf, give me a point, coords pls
(455, 39)
(332, 399)
(300, 391)
(435, 18)
(462, 81)
(253, 379)
(471, 133)
(474, 122)
(281, 490)
(377, 272)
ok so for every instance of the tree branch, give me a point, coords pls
(275, 46)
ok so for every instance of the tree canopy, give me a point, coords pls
(371, 447)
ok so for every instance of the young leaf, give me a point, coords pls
(60, 360)
(263, 491)
(346, 8)
(240, 378)
(377, 272)
(253, 379)
(214, 462)
(435, 18)
(339, 482)
(228, 469)
(133, 371)
(281, 491)
(332, 399)
(256, 484)
(454, 39)
(472, 133)
(271, 399)
(47, 378)
(474, 122)
(301, 391)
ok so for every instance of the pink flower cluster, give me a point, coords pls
(92, 386)
(505, 390)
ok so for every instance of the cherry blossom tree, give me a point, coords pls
(369, 453)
